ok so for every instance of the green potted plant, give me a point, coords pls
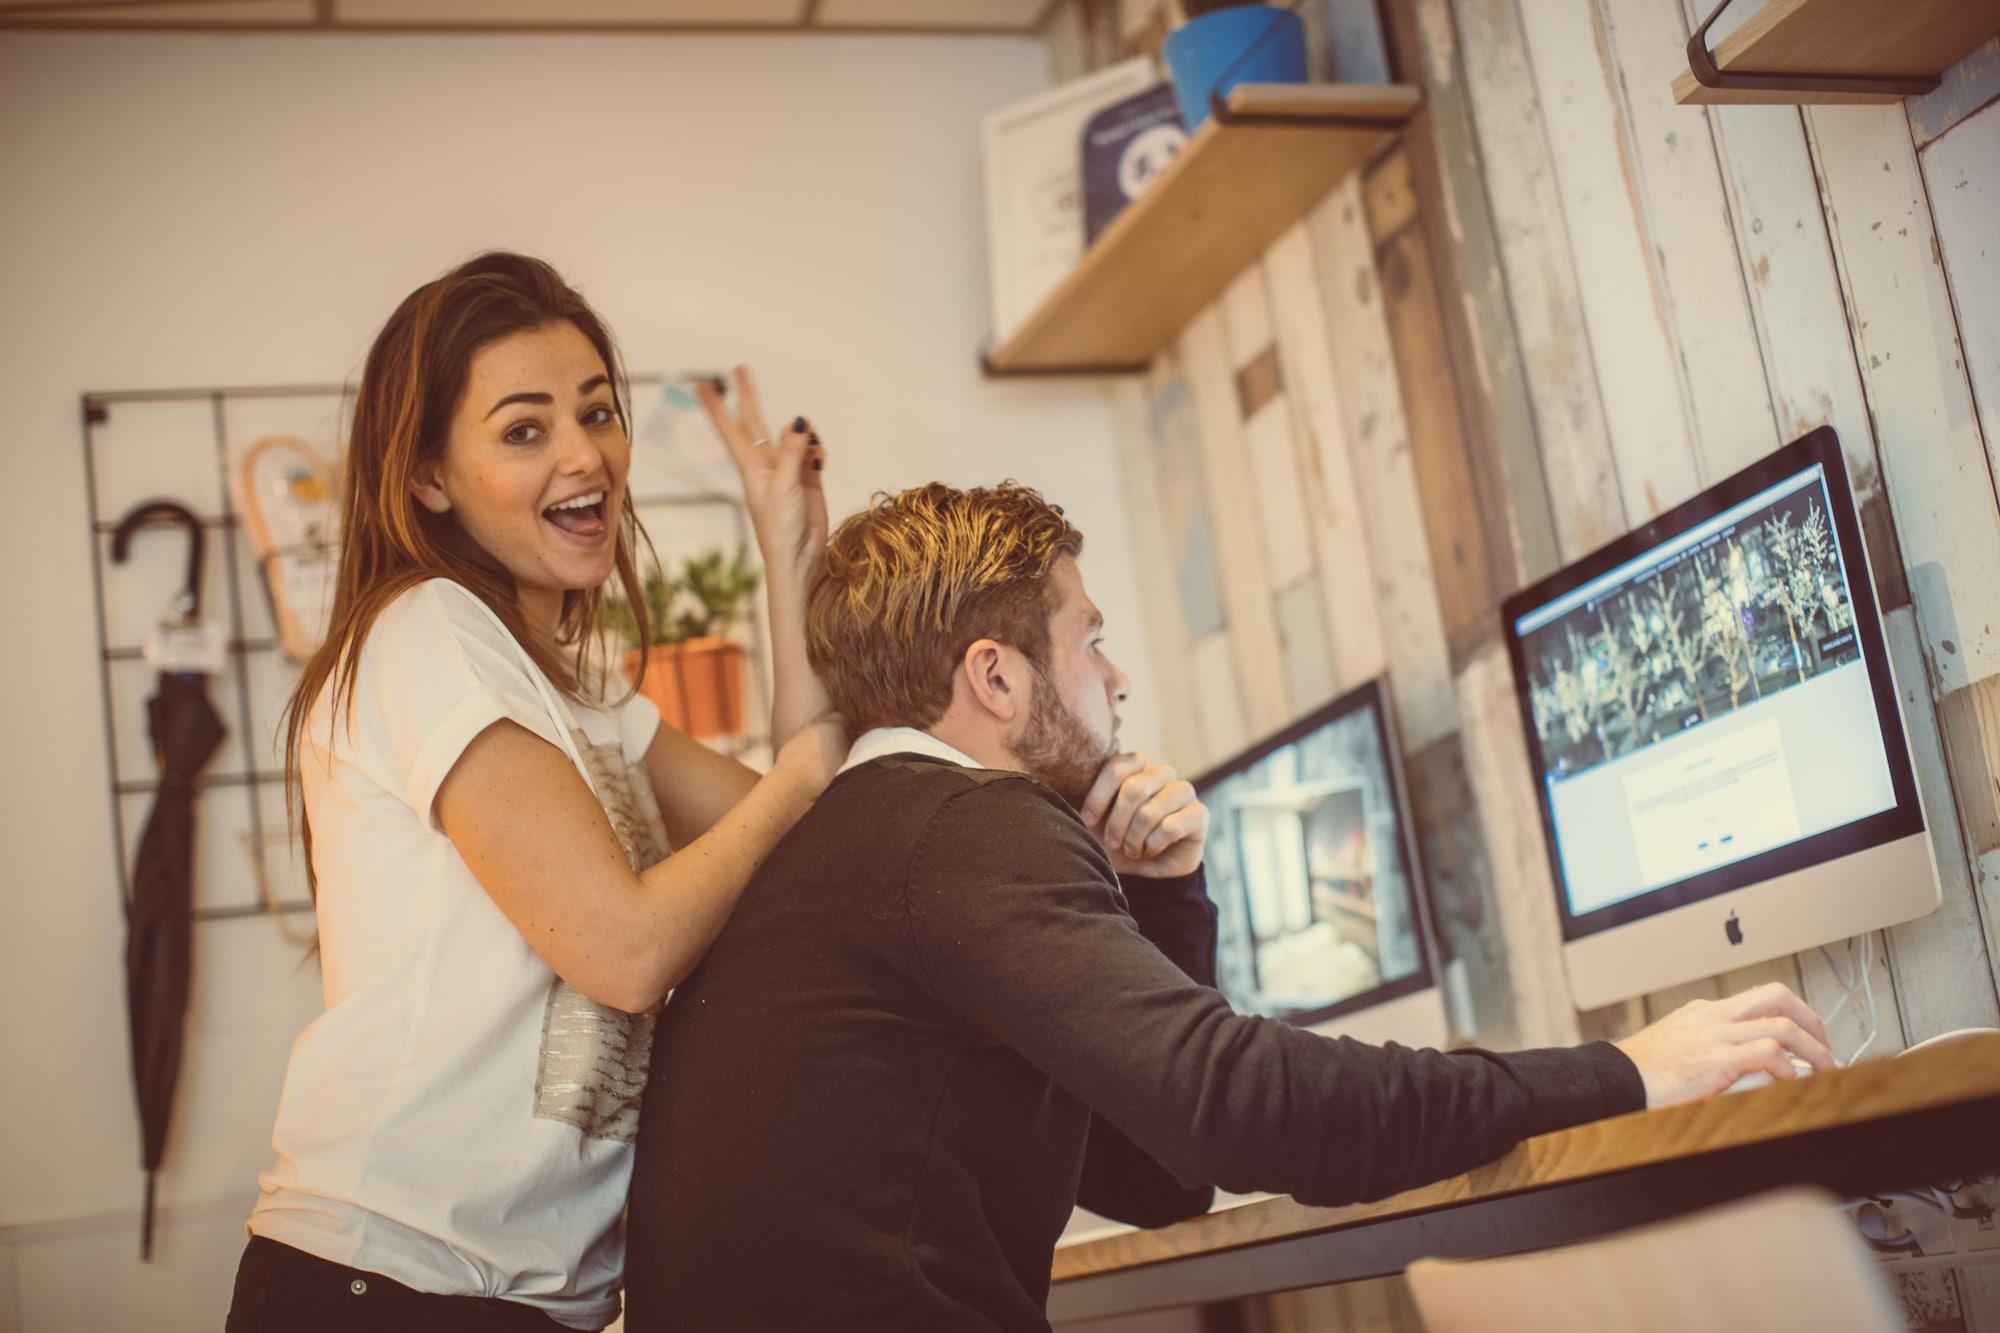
(692, 672)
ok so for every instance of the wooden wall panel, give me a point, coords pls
(1371, 398)
(1945, 973)
(1687, 223)
(1964, 192)
(1933, 458)
(1469, 585)
(1629, 338)
(1488, 377)
(1326, 472)
(1270, 451)
(1232, 507)
(1165, 631)
(1541, 284)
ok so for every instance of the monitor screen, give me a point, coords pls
(1708, 701)
(1310, 867)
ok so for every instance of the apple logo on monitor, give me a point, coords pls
(1733, 929)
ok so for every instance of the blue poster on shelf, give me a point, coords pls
(1125, 148)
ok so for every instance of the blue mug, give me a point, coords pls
(1204, 49)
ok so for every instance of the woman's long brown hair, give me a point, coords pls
(410, 388)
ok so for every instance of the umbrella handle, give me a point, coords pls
(165, 511)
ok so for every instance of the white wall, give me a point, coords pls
(187, 211)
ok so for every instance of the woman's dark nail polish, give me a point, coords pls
(813, 438)
(818, 465)
(798, 423)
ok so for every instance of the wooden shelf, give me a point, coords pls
(1842, 50)
(1244, 177)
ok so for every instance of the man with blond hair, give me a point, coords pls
(974, 985)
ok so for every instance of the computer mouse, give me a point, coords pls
(1757, 1078)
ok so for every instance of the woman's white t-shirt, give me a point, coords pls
(459, 1119)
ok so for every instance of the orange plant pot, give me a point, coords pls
(697, 684)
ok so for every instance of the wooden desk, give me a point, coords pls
(1920, 1118)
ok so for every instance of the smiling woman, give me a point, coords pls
(487, 822)
(532, 473)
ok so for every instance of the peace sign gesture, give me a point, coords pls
(781, 478)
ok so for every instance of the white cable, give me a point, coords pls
(1854, 977)
(1868, 994)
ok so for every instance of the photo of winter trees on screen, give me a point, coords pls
(1751, 610)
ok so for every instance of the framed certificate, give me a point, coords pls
(1034, 186)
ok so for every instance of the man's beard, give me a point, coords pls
(1057, 749)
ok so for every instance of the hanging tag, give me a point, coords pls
(180, 645)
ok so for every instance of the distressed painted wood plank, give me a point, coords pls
(1217, 699)
(1934, 463)
(1455, 523)
(1933, 459)
(1523, 885)
(1487, 370)
(1629, 341)
(1302, 631)
(1378, 437)
(1232, 509)
(1333, 510)
(1795, 297)
(1163, 630)
(1534, 247)
(1962, 175)
(1970, 720)
(1270, 451)
(1269, 437)
(1943, 962)
(1458, 875)
(1700, 277)
(1970, 85)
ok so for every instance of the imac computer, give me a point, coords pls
(1714, 735)
(1312, 863)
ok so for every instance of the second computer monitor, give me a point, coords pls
(1714, 736)
(1311, 862)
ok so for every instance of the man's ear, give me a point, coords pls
(993, 676)
(424, 484)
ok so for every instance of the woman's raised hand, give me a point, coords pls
(781, 476)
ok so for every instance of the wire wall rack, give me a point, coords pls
(186, 446)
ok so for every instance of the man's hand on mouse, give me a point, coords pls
(1705, 1045)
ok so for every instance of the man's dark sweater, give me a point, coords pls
(869, 1106)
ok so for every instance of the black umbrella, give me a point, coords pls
(186, 732)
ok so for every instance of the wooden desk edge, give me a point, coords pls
(1952, 1072)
